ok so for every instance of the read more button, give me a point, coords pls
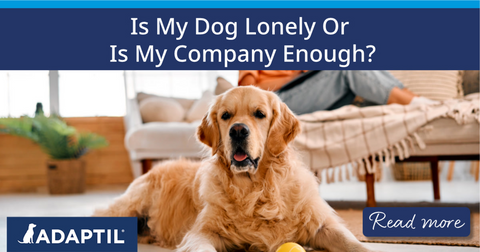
(416, 221)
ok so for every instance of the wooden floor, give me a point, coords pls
(22, 163)
(39, 204)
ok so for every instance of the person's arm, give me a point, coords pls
(250, 77)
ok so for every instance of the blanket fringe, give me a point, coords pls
(387, 156)
(411, 144)
(392, 155)
(406, 153)
(420, 142)
(399, 151)
(339, 175)
(331, 175)
(369, 165)
(462, 114)
(354, 169)
(362, 166)
(347, 172)
(380, 156)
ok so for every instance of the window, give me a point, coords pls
(97, 93)
(91, 93)
(183, 84)
(21, 90)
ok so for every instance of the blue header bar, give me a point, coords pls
(237, 39)
(238, 4)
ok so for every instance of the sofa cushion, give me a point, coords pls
(222, 86)
(160, 109)
(185, 103)
(436, 85)
(471, 79)
(448, 131)
(164, 137)
(445, 136)
(200, 107)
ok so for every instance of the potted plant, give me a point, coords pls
(62, 143)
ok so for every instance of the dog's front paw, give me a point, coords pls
(206, 248)
(199, 248)
(366, 248)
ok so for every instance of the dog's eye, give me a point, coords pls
(259, 114)
(226, 116)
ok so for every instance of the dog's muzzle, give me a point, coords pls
(241, 160)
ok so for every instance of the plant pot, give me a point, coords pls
(66, 176)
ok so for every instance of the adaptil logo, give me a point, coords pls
(71, 234)
(58, 236)
(28, 237)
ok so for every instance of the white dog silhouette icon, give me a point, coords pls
(28, 237)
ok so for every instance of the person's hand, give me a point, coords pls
(248, 80)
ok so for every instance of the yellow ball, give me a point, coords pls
(290, 247)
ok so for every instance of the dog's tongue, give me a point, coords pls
(240, 157)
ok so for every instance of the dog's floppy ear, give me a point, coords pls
(207, 132)
(283, 128)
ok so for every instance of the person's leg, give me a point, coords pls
(377, 87)
(347, 99)
(319, 92)
(329, 90)
(382, 88)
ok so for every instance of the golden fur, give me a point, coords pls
(212, 206)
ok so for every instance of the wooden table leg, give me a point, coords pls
(477, 170)
(146, 165)
(370, 182)
(435, 179)
(474, 169)
(451, 167)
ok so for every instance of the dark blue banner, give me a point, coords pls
(416, 222)
(217, 39)
(239, 4)
(88, 234)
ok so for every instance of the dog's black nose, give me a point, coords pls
(239, 131)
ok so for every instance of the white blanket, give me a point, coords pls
(350, 135)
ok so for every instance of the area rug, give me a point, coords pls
(353, 220)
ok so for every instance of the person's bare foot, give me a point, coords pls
(405, 97)
(423, 100)
(410, 92)
(400, 96)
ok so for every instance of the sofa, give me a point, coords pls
(152, 136)
(445, 139)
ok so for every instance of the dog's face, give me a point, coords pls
(246, 123)
(31, 225)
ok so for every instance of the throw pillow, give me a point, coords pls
(185, 103)
(435, 85)
(161, 109)
(142, 96)
(222, 86)
(471, 82)
(200, 107)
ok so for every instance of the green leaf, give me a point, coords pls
(53, 135)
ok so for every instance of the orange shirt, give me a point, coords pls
(269, 79)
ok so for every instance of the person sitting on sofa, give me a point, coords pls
(309, 91)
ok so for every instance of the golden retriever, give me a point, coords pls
(252, 193)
